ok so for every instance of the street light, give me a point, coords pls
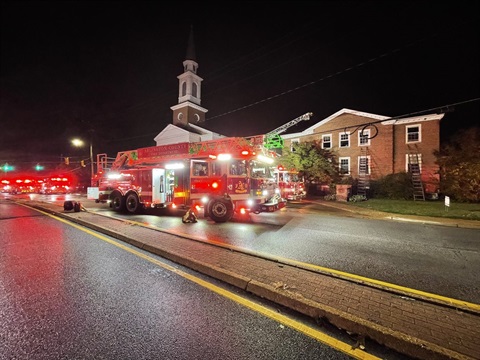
(80, 143)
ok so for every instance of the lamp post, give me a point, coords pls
(80, 143)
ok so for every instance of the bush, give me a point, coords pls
(357, 198)
(393, 186)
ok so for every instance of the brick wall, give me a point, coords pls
(387, 148)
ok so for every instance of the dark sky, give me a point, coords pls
(71, 66)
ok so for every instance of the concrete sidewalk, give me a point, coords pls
(419, 327)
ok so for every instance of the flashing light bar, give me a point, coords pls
(173, 166)
(265, 159)
(114, 176)
(224, 156)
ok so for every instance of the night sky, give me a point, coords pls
(111, 67)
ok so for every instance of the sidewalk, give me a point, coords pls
(420, 328)
(369, 213)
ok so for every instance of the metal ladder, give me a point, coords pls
(416, 177)
(363, 181)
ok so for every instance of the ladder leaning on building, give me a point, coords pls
(414, 162)
(363, 182)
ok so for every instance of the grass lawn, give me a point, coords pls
(423, 208)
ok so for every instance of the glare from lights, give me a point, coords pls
(173, 166)
(77, 142)
(224, 157)
(114, 176)
(265, 159)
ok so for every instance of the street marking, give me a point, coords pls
(348, 276)
(330, 341)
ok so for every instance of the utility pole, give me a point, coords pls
(91, 156)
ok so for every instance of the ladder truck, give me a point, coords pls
(223, 177)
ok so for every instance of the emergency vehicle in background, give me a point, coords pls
(221, 176)
(58, 184)
(290, 183)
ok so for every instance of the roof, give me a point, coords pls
(304, 129)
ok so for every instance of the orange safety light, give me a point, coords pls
(243, 211)
(215, 185)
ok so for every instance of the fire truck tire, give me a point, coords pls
(132, 203)
(118, 202)
(220, 210)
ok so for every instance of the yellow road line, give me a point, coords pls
(385, 285)
(296, 325)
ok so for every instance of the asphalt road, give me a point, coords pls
(442, 260)
(69, 294)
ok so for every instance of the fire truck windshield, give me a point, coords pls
(261, 170)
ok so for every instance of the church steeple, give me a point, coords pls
(188, 109)
(191, 47)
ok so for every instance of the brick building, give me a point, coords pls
(370, 146)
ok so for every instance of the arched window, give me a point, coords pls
(194, 89)
(184, 89)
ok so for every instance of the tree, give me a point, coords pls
(459, 162)
(314, 163)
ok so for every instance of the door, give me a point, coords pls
(158, 186)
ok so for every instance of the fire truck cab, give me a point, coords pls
(291, 185)
(221, 177)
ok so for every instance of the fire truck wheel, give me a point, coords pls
(132, 204)
(118, 202)
(220, 210)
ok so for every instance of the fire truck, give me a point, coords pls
(222, 177)
(290, 184)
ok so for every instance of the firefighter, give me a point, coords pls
(189, 217)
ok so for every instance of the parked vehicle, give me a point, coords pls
(220, 176)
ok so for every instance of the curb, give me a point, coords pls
(395, 340)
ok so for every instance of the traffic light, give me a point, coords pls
(82, 163)
(39, 167)
(7, 167)
(67, 161)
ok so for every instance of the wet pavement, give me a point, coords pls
(412, 324)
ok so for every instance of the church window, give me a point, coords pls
(194, 89)
(184, 89)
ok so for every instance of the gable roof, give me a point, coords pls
(174, 134)
(310, 130)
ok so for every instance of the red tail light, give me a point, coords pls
(215, 185)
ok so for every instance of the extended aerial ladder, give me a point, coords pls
(273, 140)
